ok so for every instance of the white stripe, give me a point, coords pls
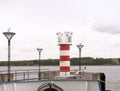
(15, 87)
(86, 86)
(64, 63)
(64, 73)
(4, 87)
(64, 52)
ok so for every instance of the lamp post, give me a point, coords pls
(80, 46)
(9, 36)
(39, 50)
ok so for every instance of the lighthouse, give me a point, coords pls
(64, 41)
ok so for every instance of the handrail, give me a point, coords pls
(30, 74)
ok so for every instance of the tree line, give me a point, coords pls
(74, 61)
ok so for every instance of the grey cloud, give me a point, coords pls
(111, 29)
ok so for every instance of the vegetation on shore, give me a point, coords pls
(74, 61)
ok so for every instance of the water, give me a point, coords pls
(112, 73)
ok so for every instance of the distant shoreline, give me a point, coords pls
(87, 61)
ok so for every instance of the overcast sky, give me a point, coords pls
(94, 23)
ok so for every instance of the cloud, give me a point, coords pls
(107, 28)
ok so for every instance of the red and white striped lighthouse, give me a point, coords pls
(64, 41)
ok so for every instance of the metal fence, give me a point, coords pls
(31, 74)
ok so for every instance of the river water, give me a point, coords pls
(112, 73)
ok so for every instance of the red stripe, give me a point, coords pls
(64, 69)
(64, 47)
(64, 58)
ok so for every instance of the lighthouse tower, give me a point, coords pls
(64, 41)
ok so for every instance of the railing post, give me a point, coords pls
(24, 75)
(28, 74)
(15, 75)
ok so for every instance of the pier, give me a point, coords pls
(46, 75)
(33, 74)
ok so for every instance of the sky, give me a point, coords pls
(94, 23)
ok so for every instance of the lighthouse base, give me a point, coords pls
(65, 77)
(64, 73)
